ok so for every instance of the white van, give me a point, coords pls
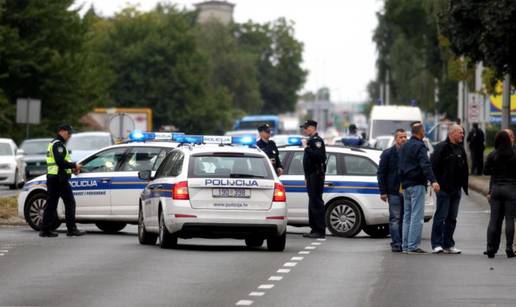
(384, 120)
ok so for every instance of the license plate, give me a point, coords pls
(231, 193)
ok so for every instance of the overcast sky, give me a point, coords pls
(339, 52)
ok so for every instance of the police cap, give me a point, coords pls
(264, 127)
(66, 127)
(309, 123)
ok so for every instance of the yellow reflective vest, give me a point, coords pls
(52, 168)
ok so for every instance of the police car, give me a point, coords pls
(214, 191)
(108, 188)
(351, 192)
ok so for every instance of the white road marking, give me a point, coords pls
(257, 293)
(3, 251)
(290, 264)
(244, 303)
(304, 253)
(266, 286)
(310, 247)
(283, 271)
(316, 243)
(297, 258)
(1, 254)
(320, 239)
(275, 278)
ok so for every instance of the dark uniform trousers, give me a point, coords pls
(503, 204)
(58, 188)
(316, 211)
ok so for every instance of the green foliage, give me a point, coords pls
(483, 30)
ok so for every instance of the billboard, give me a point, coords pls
(495, 105)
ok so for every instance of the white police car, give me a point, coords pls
(108, 189)
(351, 192)
(214, 191)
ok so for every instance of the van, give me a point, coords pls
(384, 120)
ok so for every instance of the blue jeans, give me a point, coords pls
(413, 216)
(395, 219)
(445, 219)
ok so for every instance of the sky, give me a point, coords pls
(337, 34)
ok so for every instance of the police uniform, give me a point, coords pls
(59, 171)
(270, 149)
(314, 165)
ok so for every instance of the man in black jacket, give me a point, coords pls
(450, 166)
(476, 140)
(269, 148)
(389, 184)
(415, 172)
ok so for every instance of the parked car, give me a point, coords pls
(83, 144)
(12, 166)
(35, 156)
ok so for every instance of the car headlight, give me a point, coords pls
(5, 166)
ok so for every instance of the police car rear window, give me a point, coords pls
(229, 166)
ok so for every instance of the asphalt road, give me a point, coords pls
(6, 192)
(114, 270)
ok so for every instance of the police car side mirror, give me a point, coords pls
(145, 175)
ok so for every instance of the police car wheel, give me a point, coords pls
(344, 218)
(144, 237)
(277, 243)
(254, 242)
(377, 231)
(166, 239)
(111, 227)
(33, 211)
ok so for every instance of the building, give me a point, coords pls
(220, 11)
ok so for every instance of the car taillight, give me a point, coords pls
(180, 191)
(279, 193)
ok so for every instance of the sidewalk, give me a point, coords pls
(479, 184)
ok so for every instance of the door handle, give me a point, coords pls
(105, 180)
(329, 184)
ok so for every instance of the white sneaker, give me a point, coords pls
(452, 250)
(437, 250)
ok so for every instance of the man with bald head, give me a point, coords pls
(450, 166)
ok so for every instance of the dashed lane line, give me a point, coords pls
(275, 278)
(266, 286)
(296, 258)
(290, 264)
(283, 271)
(256, 293)
(304, 253)
(244, 303)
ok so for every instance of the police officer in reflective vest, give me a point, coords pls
(269, 147)
(59, 172)
(314, 165)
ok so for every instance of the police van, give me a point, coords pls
(214, 188)
(108, 188)
(351, 192)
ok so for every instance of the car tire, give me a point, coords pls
(344, 218)
(277, 243)
(144, 237)
(33, 211)
(14, 186)
(254, 242)
(166, 239)
(377, 231)
(110, 227)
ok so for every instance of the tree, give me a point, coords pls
(279, 57)
(483, 30)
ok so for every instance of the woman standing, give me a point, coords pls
(501, 165)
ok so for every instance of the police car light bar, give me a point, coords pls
(294, 140)
(139, 136)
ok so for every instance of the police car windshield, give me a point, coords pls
(88, 142)
(229, 166)
(35, 147)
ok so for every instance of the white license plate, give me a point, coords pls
(231, 193)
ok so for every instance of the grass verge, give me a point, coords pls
(9, 211)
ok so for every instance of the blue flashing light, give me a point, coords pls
(188, 139)
(294, 140)
(248, 140)
(140, 136)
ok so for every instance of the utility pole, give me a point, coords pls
(506, 102)
(387, 88)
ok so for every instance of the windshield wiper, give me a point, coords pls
(233, 175)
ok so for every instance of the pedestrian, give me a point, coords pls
(415, 172)
(59, 171)
(314, 166)
(352, 138)
(476, 140)
(269, 147)
(450, 166)
(390, 191)
(501, 165)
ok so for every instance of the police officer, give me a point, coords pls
(353, 139)
(314, 165)
(59, 171)
(269, 147)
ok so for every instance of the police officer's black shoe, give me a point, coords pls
(314, 235)
(76, 233)
(48, 234)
